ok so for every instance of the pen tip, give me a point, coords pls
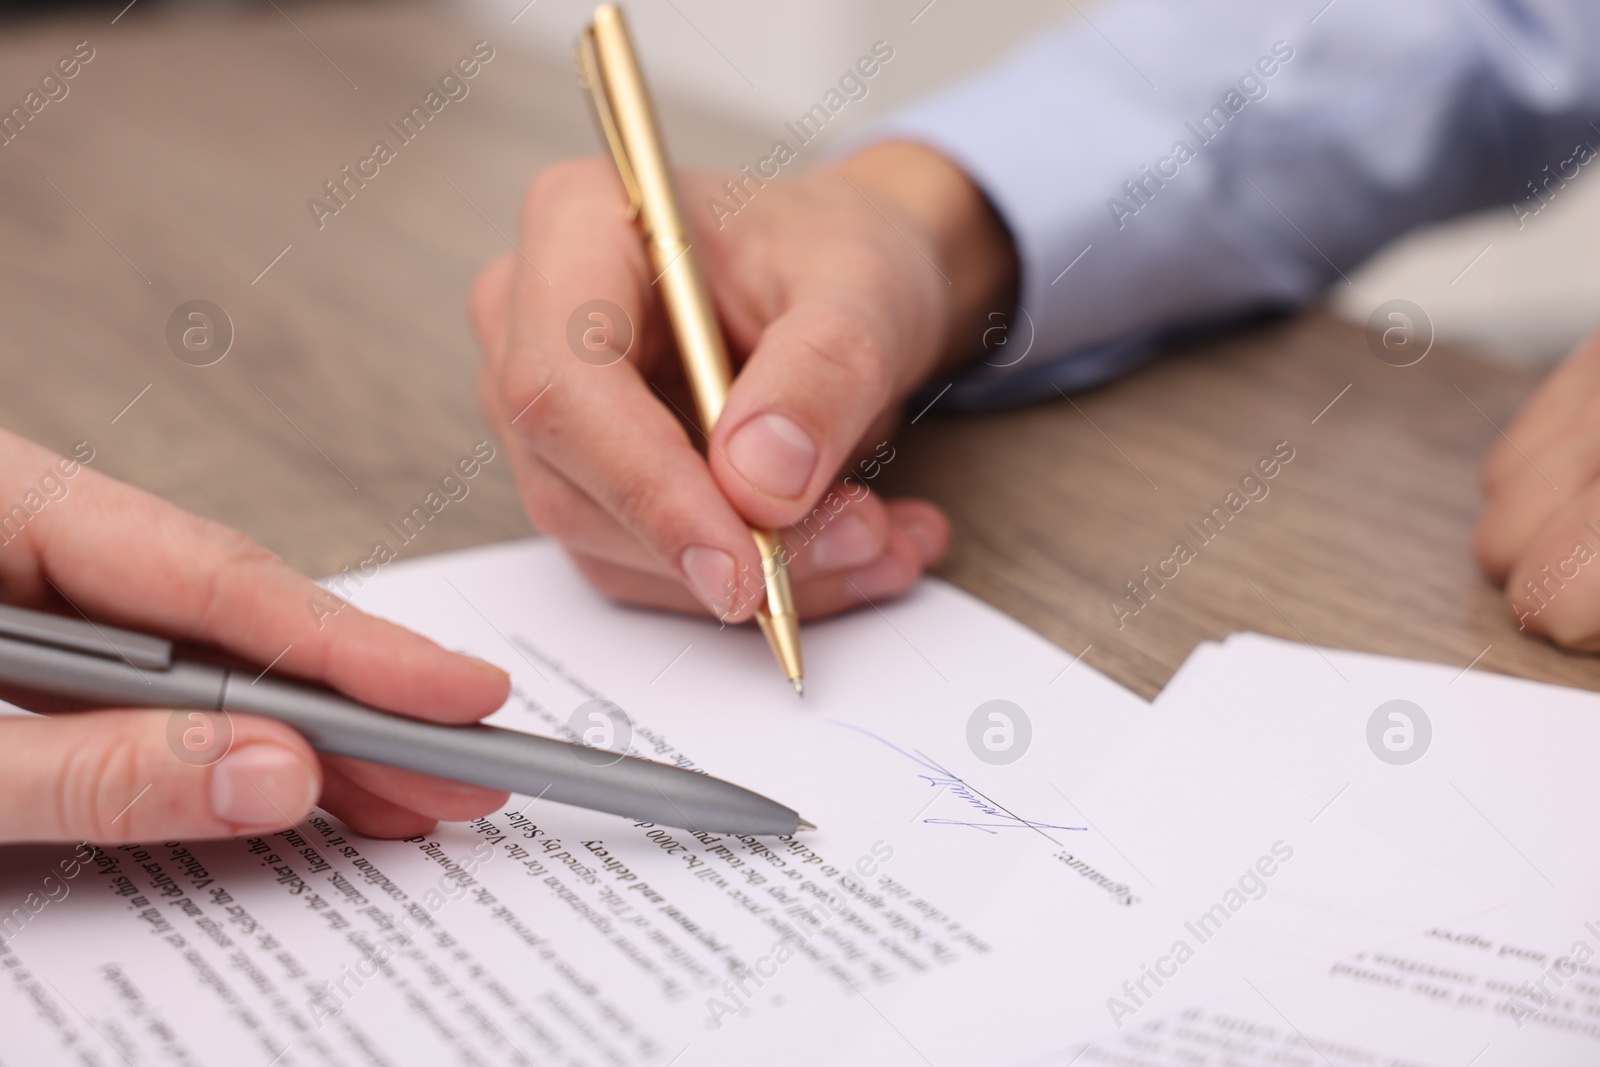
(802, 826)
(799, 687)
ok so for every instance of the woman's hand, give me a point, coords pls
(77, 542)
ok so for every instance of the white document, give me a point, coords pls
(951, 909)
(1494, 779)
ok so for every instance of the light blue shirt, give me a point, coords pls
(1169, 166)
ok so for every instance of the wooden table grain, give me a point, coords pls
(1362, 541)
(179, 167)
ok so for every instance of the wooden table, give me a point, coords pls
(1363, 540)
(179, 168)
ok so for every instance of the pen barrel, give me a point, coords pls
(480, 755)
(643, 160)
(634, 118)
(109, 683)
(694, 327)
(780, 594)
(540, 767)
(627, 119)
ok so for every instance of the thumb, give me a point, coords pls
(822, 374)
(111, 777)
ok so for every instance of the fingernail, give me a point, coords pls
(926, 537)
(710, 574)
(883, 578)
(262, 785)
(847, 541)
(775, 454)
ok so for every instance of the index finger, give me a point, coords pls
(605, 424)
(184, 576)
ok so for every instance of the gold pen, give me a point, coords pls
(609, 71)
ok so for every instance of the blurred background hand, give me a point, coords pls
(1540, 528)
(839, 293)
(85, 545)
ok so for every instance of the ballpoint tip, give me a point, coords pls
(799, 687)
(802, 825)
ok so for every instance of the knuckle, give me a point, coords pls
(560, 180)
(100, 785)
(1491, 559)
(553, 512)
(1566, 627)
(638, 499)
(1504, 550)
(844, 343)
(606, 580)
(653, 514)
(876, 274)
(518, 384)
(233, 552)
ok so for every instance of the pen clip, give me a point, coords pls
(590, 77)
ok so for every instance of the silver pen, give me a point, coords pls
(120, 668)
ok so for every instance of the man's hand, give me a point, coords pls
(81, 542)
(839, 294)
(1540, 528)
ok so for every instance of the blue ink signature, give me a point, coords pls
(958, 787)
